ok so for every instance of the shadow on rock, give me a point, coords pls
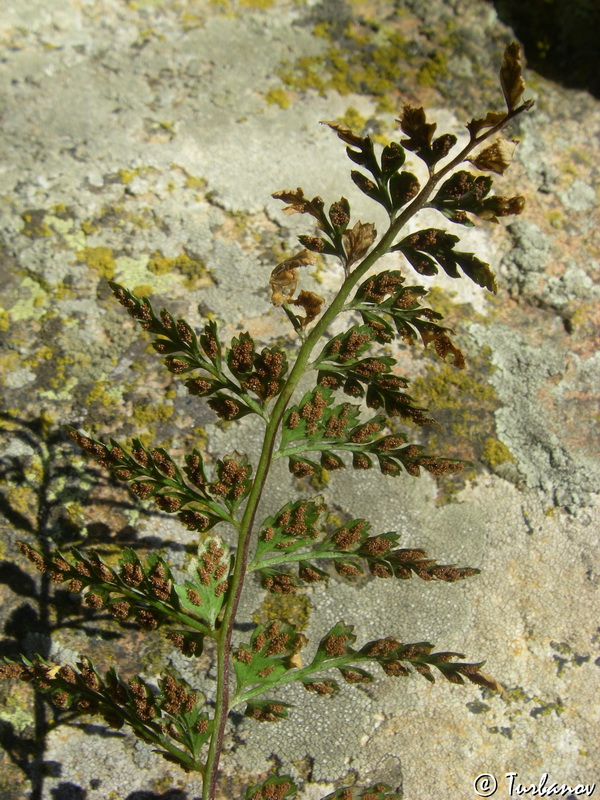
(561, 38)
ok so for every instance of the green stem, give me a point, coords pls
(145, 731)
(288, 558)
(256, 407)
(180, 616)
(294, 675)
(307, 447)
(299, 368)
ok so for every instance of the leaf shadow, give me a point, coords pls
(38, 479)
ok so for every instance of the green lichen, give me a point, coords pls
(292, 608)
(519, 698)
(16, 711)
(278, 97)
(565, 657)
(60, 225)
(163, 785)
(135, 272)
(477, 707)
(502, 730)
(385, 105)
(546, 709)
(100, 259)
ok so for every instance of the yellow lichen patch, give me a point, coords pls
(62, 291)
(117, 217)
(443, 303)
(58, 224)
(22, 500)
(144, 415)
(200, 437)
(61, 377)
(35, 358)
(35, 224)
(353, 119)
(320, 479)
(4, 319)
(61, 210)
(322, 31)
(164, 784)
(449, 388)
(9, 363)
(127, 175)
(161, 265)
(148, 439)
(365, 64)
(192, 269)
(247, 230)
(196, 183)
(26, 308)
(278, 97)
(385, 105)
(463, 402)
(88, 227)
(103, 393)
(75, 513)
(291, 608)
(16, 709)
(260, 4)
(100, 259)
(190, 20)
(432, 70)
(143, 290)
(495, 452)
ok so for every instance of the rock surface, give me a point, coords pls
(142, 141)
